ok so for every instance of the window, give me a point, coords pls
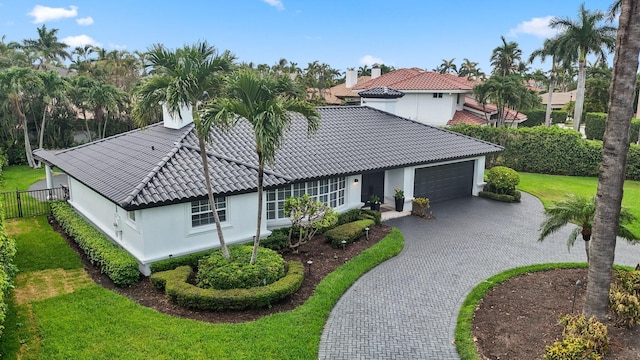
(437, 95)
(201, 211)
(330, 191)
(131, 215)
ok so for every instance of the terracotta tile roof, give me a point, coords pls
(157, 165)
(472, 103)
(466, 117)
(336, 94)
(416, 79)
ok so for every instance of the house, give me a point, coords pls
(433, 98)
(559, 99)
(145, 188)
(343, 94)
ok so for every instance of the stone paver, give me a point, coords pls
(406, 308)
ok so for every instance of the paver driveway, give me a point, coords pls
(406, 308)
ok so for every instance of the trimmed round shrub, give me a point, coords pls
(277, 240)
(502, 180)
(219, 273)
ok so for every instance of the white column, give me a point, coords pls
(47, 170)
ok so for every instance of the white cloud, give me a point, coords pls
(370, 60)
(117, 46)
(80, 40)
(275, 3)
(536, 26)
(85, 21)
(44, 13)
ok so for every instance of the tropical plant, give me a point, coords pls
(507, 93)
(579, 210)
(614, 159)
(584, 37)
(266, 102)
(46, 48)
(54, 90)
(308, 216)
(505, 57)
(470, 69)
(447, 66)
(183, 78)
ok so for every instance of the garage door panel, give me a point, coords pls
(444, 182)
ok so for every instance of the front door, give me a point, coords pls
(372, 184)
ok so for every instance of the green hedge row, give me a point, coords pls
(179, 291)
(547, 150)
(348, 232)
(501, 197)
(536, 117)
(120, 266)
(7, 269)
(594, 124)
(174, 262)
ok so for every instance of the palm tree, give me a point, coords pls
(182, 78)
(18, 87)
(614, 159)
(10, 54)
(584, 37)
(579, 210)
(504, 58)
(54, 89)
(447, 66)
(469, 69)
(552, 47)
(263, 101)
(364, 70)
(46, 47)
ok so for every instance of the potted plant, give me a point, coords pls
(399, 196)
(420, 206)
(374, 202)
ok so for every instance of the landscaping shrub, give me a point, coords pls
(547, 150)
(534, 118)
(120, 266)
(594, 124)
(502, 180)
(4, 161)
(219, 273)
(558, 116)
(624, 298)
(349, 216)
(581, 339)
(420, 206)
(172, 263)
(179, 291)
(277, 240)
(376, 216)
(348, 232)
(515, 197)
(7, 269)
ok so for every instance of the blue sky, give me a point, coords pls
(344, 33)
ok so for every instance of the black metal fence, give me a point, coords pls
(22, 203)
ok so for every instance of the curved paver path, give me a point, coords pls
(406, 308)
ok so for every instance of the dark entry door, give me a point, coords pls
(444, 182)
(372, 183)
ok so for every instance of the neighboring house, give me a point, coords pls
(558, 99)
(343, 94)
(145, 188)
(432, 98)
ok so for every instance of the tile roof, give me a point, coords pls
(472, 103)
(334, 95)
(417, 79)
(381, 93)
(467, 117)
(156, 165)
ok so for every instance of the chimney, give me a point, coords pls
(352, 78)
(177, 120)
(375, 71)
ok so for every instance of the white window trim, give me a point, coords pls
(318, 186)
(132, 223)
(209, 227)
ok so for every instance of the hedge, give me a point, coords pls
(547, 150)
(120, 266)
(595, 124)
(348, 232)
(7, 269)
(179, 291)
(536, 117)
(171, 263)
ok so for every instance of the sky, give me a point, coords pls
(341, 33)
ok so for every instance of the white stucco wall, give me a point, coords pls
(423, 107)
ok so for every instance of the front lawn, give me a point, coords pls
(20, 177)
(550, 188)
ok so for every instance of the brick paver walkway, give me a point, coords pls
(406, 308)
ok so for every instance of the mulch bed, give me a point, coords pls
(325, 260)
(519, 317)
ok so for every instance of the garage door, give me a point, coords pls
(444, 182)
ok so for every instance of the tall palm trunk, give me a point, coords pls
(25, 131)
(256, 240)
(614, 160)
(86, 124)
(212, 202)
(552, 85)
(582, 74)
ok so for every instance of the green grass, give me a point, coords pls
(20, 177)
(550, 188)
(94, 323)
(39, 247)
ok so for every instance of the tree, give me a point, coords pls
(18, 87)
(10, 54)
(54, 90)
(265, 102)
(307, 216)
(552, 47)
(579, 210)
(614, 159)
(47, 49)
(507, 93)
(183, 78)
(584, 37)
(504, 58)
(447, 66)
(470, 69)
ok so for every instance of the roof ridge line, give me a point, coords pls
(226, 158)
(177, 145)
(106, 138)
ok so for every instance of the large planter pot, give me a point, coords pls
(399, 204)
(375, 206)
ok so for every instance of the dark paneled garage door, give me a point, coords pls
(444, 182)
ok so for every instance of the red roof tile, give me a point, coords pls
(416, 79)
(472, 103)
(466, 117)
